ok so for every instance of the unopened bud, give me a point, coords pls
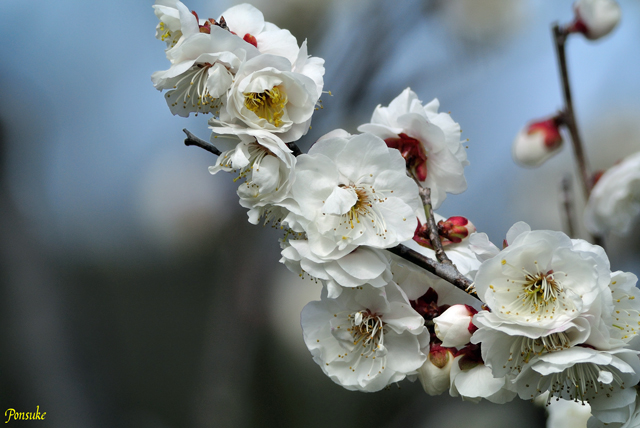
(454, 229)
(454, 326)
(595, 18)
(434, 373)
(537, 142)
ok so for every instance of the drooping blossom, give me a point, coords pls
(429, 142)
(202, 70)
(595, 18)
(537, 142)
(579, 373)
(266, 165)
(619, 410)
(367, 338)
(364, 265)
(614, 203)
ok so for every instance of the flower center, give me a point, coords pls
(268, 105)
(364, 213)
(366, 330)
(541, 295)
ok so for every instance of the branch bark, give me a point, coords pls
(192, 140)
(448, 272)
(434, 237)
(560, 37)
(568, 116)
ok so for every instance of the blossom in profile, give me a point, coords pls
(364, 265)
(176, 22)
(595, 18)
(614, 202)
(266, 165)
(537, 142)
(367, 338)
(428, 140)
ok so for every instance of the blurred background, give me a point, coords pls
(134, 293)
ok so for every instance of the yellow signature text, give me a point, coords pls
(24, 416)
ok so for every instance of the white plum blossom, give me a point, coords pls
(546, 293)
(596, 18)
(615, 199)
(367, 338)
(541, 281)
(429, 141)
(248, 23)
(625, 316)
(537, 142)
(354, 191)
(202, 70)
(364, 265)
(266, 164)
(267, 94)
(176, 22)
(579, 373)
(454, 326)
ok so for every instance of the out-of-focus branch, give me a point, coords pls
(567, 204)
(445, 271)
(569, 119)
(192, 140)
(568, 116)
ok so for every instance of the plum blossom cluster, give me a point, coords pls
(406, 293)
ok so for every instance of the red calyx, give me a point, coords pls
(413, 153)
(550, 130)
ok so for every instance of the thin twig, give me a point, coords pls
(294, 149)
(192, 140)
(569, 119)
(567, 204)
(447, 272)
(434, 237)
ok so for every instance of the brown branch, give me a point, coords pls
(294, 149)
(192, 140)
(568, 116)
(567, 204)
(432, 228)
(447, 272)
